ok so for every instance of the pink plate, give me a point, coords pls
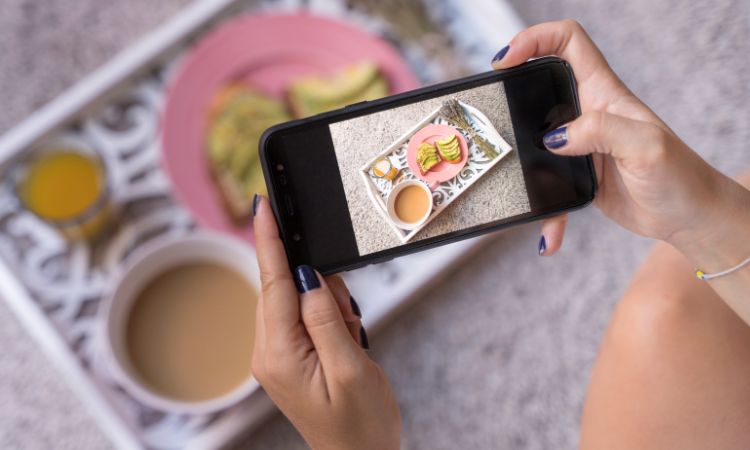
(266, 51)
(443, 171)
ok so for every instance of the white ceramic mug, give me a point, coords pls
(144, 267)
(391, 204)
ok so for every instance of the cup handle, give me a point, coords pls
(434, 185)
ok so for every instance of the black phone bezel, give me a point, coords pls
(393, 100)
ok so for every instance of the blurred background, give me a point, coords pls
(495, 354)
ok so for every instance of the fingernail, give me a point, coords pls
(542, 245)
(556, 138)
(355, 307)
(501, 54)
(305, 278)
(363, 338)
(256, 202)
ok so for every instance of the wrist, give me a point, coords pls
(722, 237)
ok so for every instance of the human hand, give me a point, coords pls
(650, 182)
(308, 356)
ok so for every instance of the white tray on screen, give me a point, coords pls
(59, 316)
(447, 192)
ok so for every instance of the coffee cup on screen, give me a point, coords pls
(409, 204)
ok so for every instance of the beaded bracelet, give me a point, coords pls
(709, 276)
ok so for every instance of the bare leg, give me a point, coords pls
(674, 368)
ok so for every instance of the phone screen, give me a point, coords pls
(435, 166)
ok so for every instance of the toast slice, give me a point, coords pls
(427, 157)
(449, 149)
(237, 117)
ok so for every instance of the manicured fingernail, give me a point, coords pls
(542, 245)
(556, 138)
(256, 202)
(501, 54)
(363, 338)
(355, 307)
(305, 278)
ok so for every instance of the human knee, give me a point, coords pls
(744, 179)
(649, 323)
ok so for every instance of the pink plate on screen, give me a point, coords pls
(443, 171)
(266, 51)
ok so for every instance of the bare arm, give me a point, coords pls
(722, 243)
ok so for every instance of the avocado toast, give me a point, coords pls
(237, 117)
(449, 149)
(427, 157)
(315, 94)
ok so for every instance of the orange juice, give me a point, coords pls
(65, 186)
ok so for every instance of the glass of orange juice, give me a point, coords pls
(65, 183)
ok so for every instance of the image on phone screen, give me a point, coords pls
(412, 172)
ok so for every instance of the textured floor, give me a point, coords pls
(498, 355)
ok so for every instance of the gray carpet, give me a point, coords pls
(499, 355)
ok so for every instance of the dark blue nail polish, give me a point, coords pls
(363, 338)
(305, 278)
(556, 138)
(355, 307)
(501, 54)
(256, 202)
(542, 245)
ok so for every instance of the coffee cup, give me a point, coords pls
(175, 339)
(409, 204)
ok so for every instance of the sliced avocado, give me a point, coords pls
(237, 118)
(427, 157)
(334, 88)
(325, 94)
(449, 149)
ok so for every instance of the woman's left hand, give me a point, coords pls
(308, 353)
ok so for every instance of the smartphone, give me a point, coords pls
(384, 178)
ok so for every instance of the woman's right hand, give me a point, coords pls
(308, 353)
(650, 181)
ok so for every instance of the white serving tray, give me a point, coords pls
(446, 192)
(59, 314)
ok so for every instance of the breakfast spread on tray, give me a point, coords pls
(428, 159)
(238, 115)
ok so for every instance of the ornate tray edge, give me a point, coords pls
(44, 333)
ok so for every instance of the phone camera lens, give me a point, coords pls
(280, 167)
(296, 237)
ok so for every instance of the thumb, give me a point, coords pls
(604, 133)
(324, 321)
